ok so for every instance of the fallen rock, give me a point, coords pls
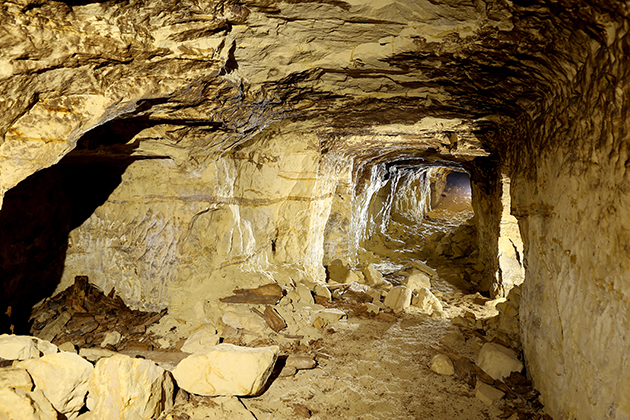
(17, 404)
(330, 314)
(372, 308)
(487, 394)
(21, 347)
(443, 365)
(301, 362)
(63, 378)
(427, 303)
(306, 297)
(124, 388)
(424, 268)
(95, 354)
(287, 371)
(398, 298)
(354, 277)
(337, 271)
(111, 338)
(268, 294)
(15, 378)
(373, 277)
(453, 338)
(68, 347)
(242, 318)
(226, 369)
(498, 361)
(323, 292)
(417, 281)
(202, 339)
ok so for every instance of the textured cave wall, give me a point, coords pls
(570, 192)
(166, 234)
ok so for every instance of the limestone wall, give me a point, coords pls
(572, 199)
(179, 235)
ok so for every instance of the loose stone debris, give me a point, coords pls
(305, 329)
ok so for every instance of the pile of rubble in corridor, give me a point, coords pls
(119, 361)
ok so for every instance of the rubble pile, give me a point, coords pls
(85, 317)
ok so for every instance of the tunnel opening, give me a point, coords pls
(414, 212)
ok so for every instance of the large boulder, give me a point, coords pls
(17, 404)
(226, 369)
(21, 347)
(63, 378)
(498, 361)
(125, 388)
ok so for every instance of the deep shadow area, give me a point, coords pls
(39, 213)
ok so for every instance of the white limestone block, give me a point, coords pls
(17, 404)
(15, 378)
(21, 347)
(373, 277)
(323, 291)
(427, 302)
(442, 364)
(112, 337)
(125, 388)
(242, 318)
(498, 361)
(226, 369)
(330, 314)
(398, 298)
(305, 294)
(417, 281)
(487, 394)
(202, 339)
(68, 346)
(63, 378)
(95, 354)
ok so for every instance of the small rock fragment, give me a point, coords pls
(301, 362)
(427, 302)
(442, 364)
(372, 308)
(94, 354)
(372, 276)
(398, 298)
(111, 338)
(487, 394)
(68, 347)
(274, 320)
(287, 371)
(417, 281)
(306, 297)
(323, 291)
(125, 388)
(498, 361)
(202, 339)
(226, 369)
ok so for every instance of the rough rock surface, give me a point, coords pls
(226, 370)
(398, 298)
(17, 378)
(16, 347)
(63, 378)
(122, 387)
(442, 364)
(17, 404)
(498, 361)
(174, 148)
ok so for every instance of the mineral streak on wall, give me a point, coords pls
(177, 149)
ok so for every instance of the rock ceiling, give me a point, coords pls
(199, 77)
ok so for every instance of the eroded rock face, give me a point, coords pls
(193, 146)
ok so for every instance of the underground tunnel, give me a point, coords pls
(314, 209)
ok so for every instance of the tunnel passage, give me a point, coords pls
(414, 211)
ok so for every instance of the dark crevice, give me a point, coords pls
(39, 213)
